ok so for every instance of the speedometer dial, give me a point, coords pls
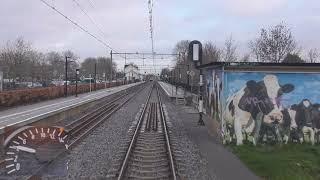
(29, 148)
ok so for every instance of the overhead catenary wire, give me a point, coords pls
(93, 21)
(79, 26)
(90, 18)
(91, 4)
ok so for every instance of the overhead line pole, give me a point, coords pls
(95, 76)
(66, 78)
(111, 66)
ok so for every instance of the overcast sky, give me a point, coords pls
(125, 23)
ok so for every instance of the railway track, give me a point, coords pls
(77, 126)
(149, 155)
(80, 128)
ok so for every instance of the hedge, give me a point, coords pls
(27, 96)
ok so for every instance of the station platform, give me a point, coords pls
(172, 91)
(24, 115)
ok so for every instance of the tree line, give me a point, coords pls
(20, 62)
(275, 44)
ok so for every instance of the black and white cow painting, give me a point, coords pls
(315, 116)
(306, 116)
(289, 128)
(256, 100)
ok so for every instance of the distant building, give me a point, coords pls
(131, 72)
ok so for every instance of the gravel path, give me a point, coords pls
(190, 164)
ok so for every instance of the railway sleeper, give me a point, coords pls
(153, 176)
(148, 161)
(150, 157)
(150, 172)
(151, 153)
(161, 164)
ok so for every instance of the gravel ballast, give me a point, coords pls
(92, 158)
(189, 162)
(197, 155)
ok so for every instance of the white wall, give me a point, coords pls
(131, 73)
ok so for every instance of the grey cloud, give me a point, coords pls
(126, 24)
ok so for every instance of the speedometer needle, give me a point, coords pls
(26, 149)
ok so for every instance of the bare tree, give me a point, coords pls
(87, 66)
(103, 66)
(293, 58)
(211, 53)
(273, 44)
(245, 58)
(229, 52)
(313, 55)
(22, 63)
(181, 48)
(56, 64)
(182, 64)
(16, 56)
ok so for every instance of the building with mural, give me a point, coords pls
(264, 102)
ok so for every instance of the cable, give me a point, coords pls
(79, 26)
(91, 4)
(89, 17)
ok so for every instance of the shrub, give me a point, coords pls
(26, 96)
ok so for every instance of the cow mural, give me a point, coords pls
(305, 120)
(213, 94)
(260, 106)
(243, 107)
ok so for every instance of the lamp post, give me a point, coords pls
(105, 80)
(95, 76)
(77, 73)
(90, 81)
(66, 78)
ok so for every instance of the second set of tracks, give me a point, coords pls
(81, 127)
(148, 153)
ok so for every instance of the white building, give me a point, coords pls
(131, 72)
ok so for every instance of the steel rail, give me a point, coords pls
(77, 129)
(134, 138)
(84, 118)
(77, 139)
(149, 123)
(165, 129)
(95, 112)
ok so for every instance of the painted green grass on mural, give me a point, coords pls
(286, 162)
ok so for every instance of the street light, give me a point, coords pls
(66, 78)
(77, 73)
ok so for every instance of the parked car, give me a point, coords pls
(87, 80)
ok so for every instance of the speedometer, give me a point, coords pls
(30, 148)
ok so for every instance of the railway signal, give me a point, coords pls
(195, 55)
(77, 73)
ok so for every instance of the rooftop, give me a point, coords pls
(264, 66)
